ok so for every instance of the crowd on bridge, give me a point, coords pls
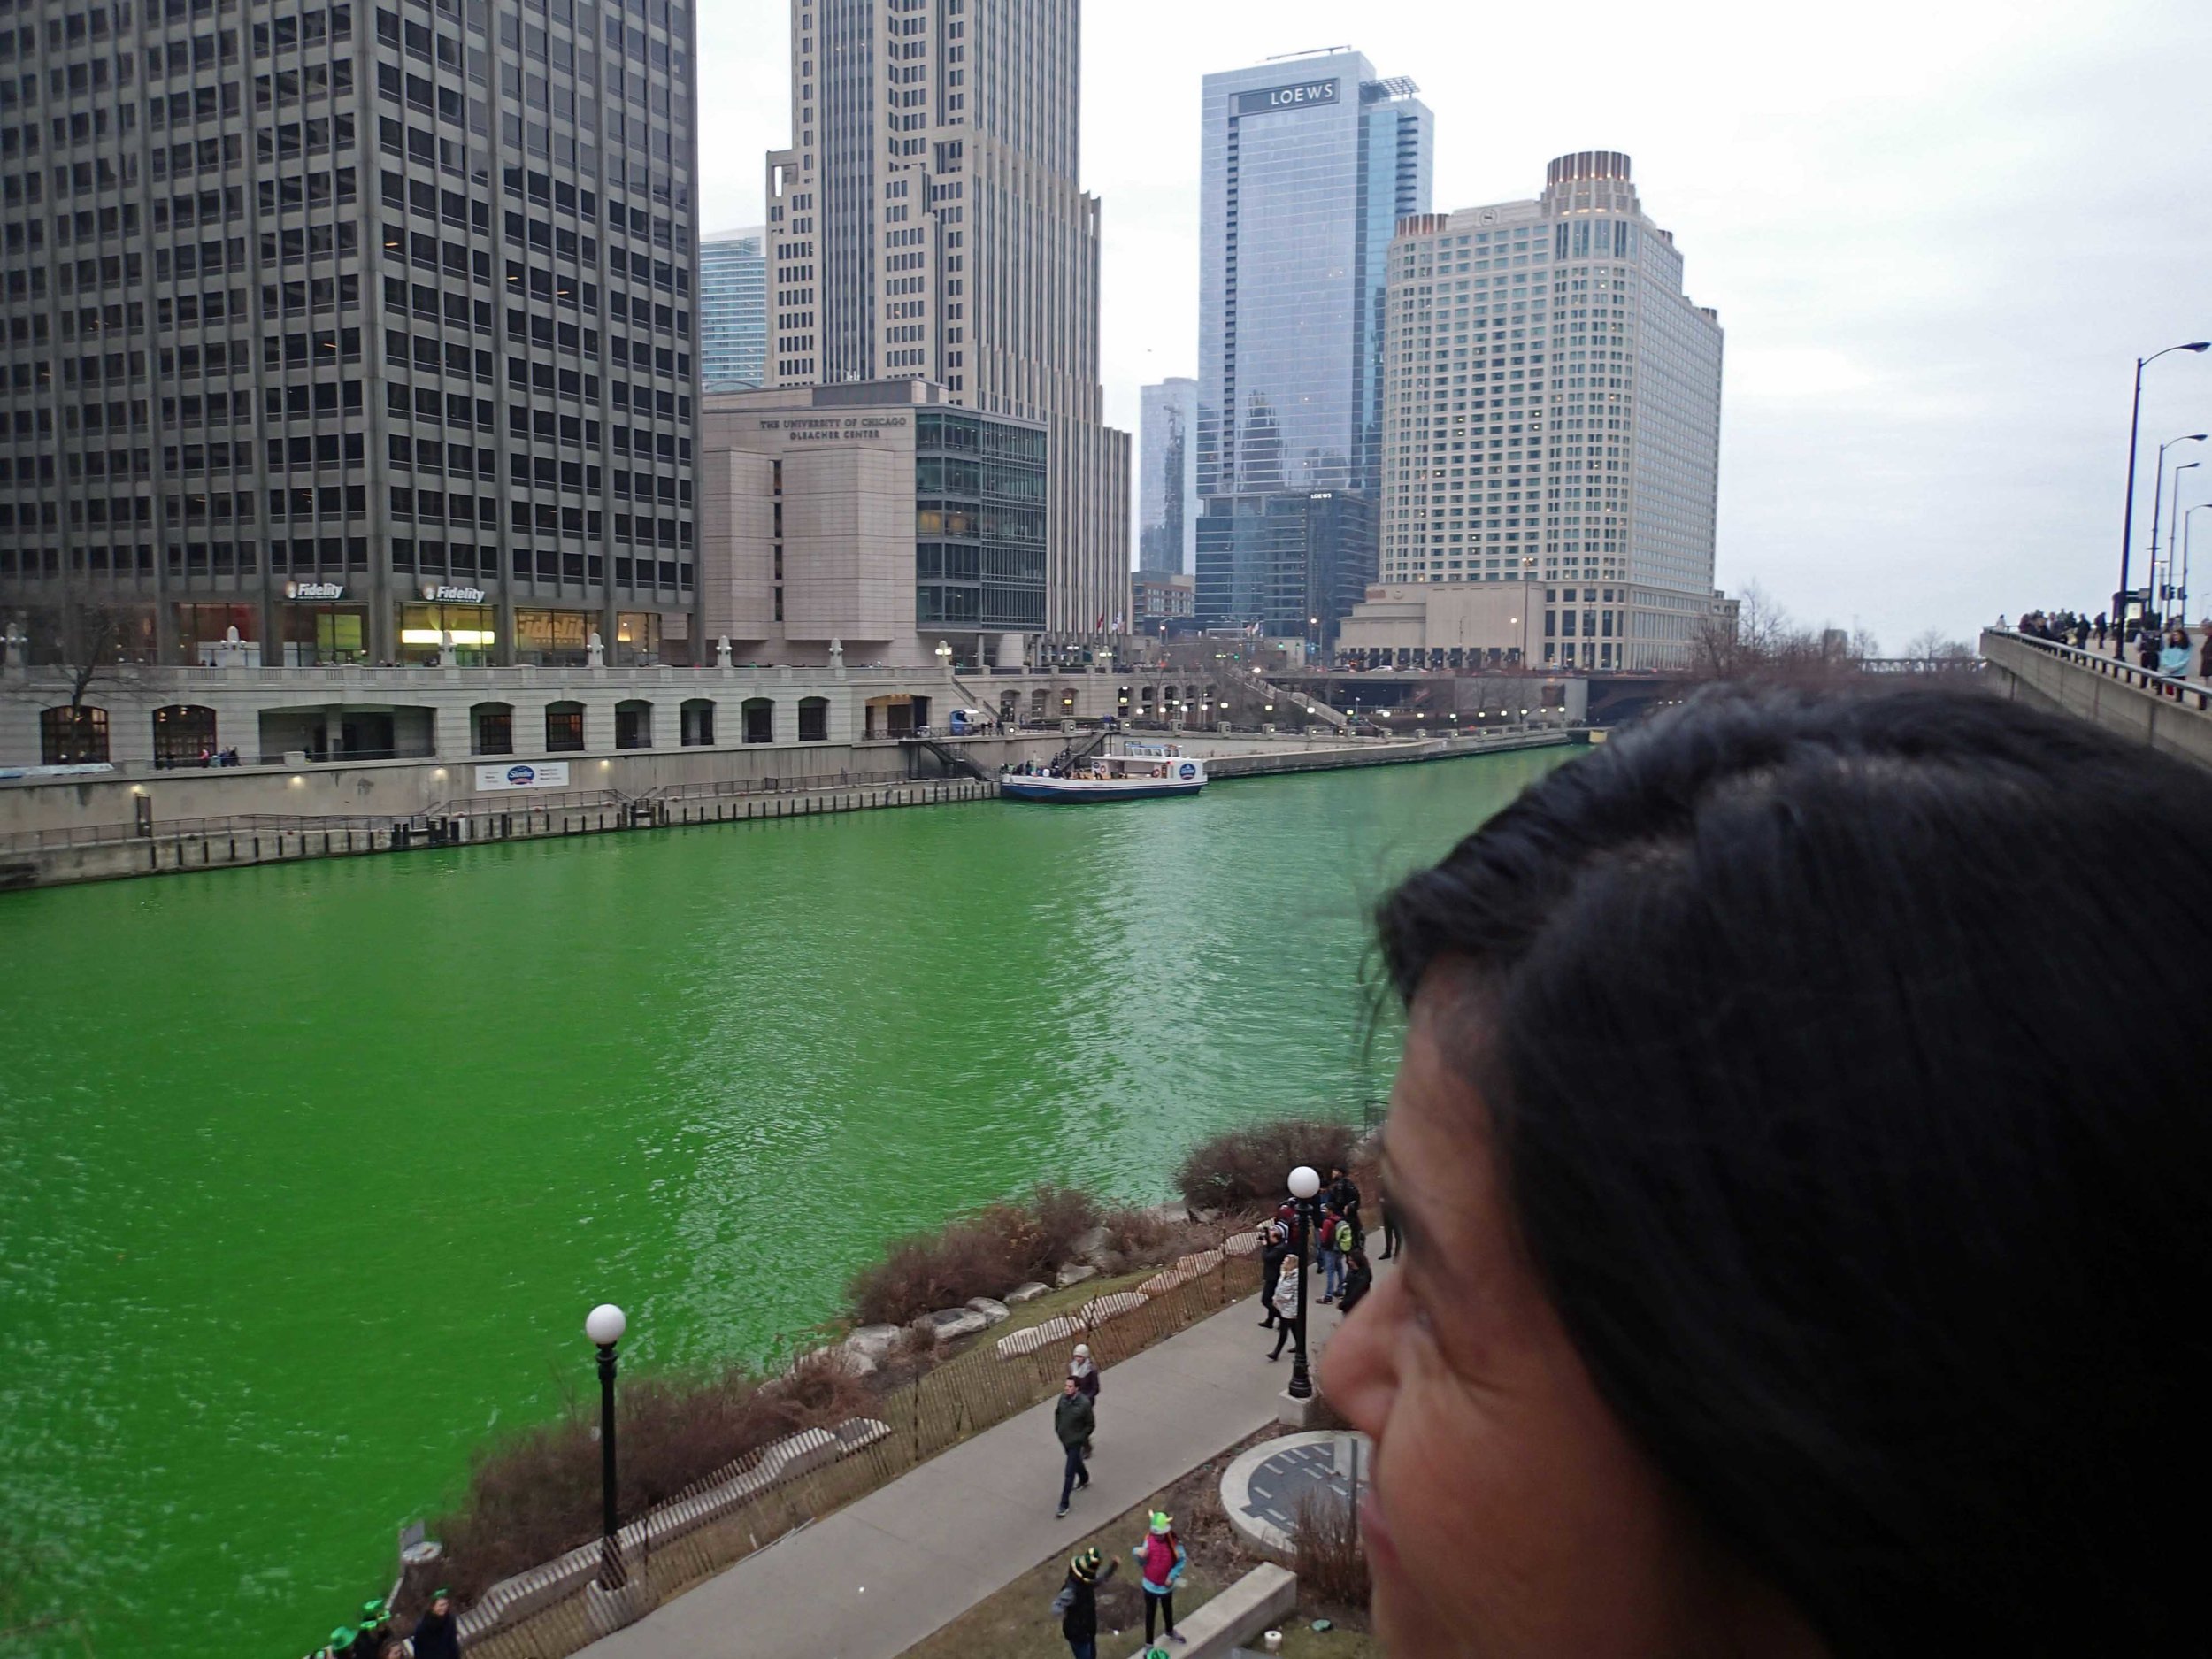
(2160, 644)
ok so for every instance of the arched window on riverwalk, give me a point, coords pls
(563, 727)
(492, 728)
(184, 735)
(759, 715)
(814, 719)
(698, 722)
(72, 737)
(633, 723)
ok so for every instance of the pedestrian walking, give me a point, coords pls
(1391, 1238)
(1344, 1198)
(1083, 1375)
(1161, 1560)
(1287, 1325)
(1077, 1604)
(2204, 657)
(1274, 1248)
(1073, 1420)
(2102, 630)
(1329, 1254)
(1359, 1278)
(437, 1633)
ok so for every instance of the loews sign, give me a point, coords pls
(1286, 97)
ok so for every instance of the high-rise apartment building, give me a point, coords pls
(733, 311)
(1167, 479)
(1553, 418)
(926, 223)
(363, 328)
(1307, 164)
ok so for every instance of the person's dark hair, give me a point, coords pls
(1844, 1059)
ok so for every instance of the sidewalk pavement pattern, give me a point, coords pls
(891, 1568)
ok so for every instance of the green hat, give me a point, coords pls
(1085, 1564)
(342, 1637)
(372, 1613)
(442, 1595)
(1160, 1523)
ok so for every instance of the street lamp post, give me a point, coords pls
(1304, 1183)
(2186, 517)
(2172, 527)
(604, 1325)
(2127, 517)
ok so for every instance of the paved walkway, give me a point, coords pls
(878, 1576)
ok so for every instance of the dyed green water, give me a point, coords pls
(310, 1172)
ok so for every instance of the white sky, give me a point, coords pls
(1938, 235)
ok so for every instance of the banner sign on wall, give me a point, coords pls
(524, 774)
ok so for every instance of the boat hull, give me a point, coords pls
(1066, 790)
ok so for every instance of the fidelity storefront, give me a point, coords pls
(319, 622)
(460, 618)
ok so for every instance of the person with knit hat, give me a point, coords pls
(1077, 1604)
(437, 1633)
(1161, 1559)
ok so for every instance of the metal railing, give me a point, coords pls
(2188, 693)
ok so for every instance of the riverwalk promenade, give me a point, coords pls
(890, 1569)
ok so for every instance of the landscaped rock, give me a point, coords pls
(1203, 1217)
(1188, 1268)
(1089, 1244)
(993, 1312)
(1100, 1309)
(1242, 1244)
(948, 1323)
(874, 1340)
(1074, 1273)
(1037, 1336)
(1026, 1292)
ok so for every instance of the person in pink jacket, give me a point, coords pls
(1159, 1560)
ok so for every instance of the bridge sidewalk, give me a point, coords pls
(886, 1570)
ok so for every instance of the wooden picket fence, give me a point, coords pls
(912, 1423)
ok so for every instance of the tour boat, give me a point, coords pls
(1135, 773)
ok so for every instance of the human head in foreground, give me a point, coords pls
(1803, 1154)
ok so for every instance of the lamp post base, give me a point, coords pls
(607, 1611)
(1302, 1411)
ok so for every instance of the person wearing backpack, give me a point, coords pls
(1161, 1560)
(1328, 1258)
(1077, 1604)
(1275, 1245)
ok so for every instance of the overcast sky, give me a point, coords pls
(1938, 233)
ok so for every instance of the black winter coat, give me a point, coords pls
(437, 1637)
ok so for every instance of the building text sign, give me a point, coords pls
(1286, 97)
(833, 429)
(524, 774)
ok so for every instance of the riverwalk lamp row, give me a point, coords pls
(187, 735)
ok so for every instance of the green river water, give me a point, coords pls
(311, 1171)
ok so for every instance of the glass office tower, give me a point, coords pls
(1307, 164)
(733, 311)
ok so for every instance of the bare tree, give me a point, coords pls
(1931, 645)
(1767, 646)
(82, 644)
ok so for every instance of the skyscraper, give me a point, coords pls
(365, 330)
(1307, 164)
(1167, 488)
(927, 223)
(1553, 418)
(733, 311)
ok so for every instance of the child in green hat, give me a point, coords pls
(1161, 1558)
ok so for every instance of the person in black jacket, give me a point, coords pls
(1344, 1198)
(1077, 1604)
(1271, 1254)
(1359, 1278)
(437, 1633)
(1073, 1422)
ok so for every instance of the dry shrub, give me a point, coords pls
(984, 1255)
(536, 1495)
(1328, 1560)
(1240, 1168)
(1140, 1235)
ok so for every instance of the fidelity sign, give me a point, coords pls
(1286, 98)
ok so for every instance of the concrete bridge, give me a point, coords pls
(2165, 712)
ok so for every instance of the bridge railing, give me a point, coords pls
(2188, 693)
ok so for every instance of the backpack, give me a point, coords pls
(1346, 1240)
